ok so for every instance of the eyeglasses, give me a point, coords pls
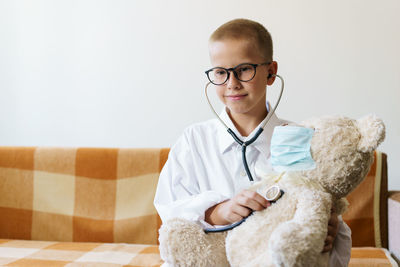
(243, 72)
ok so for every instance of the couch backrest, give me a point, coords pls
(106, 195)
(79, 194)
(367, 215)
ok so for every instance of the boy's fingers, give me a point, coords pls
(257, 197)
(260, 199)
(250, 203)
(241, 211)
(333, 225)
(333, 210)
(328, 244)
(332, 231)
(333, 220)
(327, 248)
(329, 240)
(234, 218)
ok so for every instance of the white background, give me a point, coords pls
(131, 73)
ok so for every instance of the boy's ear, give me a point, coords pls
(273, 69)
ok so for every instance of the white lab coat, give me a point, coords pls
(205, 167)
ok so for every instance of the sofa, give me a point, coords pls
(94, 207)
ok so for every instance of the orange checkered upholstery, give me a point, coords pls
(96, 200)
(371, 257)
(45, 253)
(55, 254)
(79, 194)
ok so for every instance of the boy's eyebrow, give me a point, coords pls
(264, 63)
(234, 66)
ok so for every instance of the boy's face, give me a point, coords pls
(242, 97)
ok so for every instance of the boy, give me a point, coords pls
(204, 179)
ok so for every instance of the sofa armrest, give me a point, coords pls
(394, 223)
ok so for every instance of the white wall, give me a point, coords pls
(131, 73)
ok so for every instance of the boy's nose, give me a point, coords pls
(233, 82)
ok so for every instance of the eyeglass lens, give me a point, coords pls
(244, 73)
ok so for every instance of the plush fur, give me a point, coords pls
(292, 231)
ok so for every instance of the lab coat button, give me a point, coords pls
(243, 173)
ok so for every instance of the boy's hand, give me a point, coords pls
(236, 208)
(333, 226)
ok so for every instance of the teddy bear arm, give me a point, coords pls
(299, 242)
(184, 243)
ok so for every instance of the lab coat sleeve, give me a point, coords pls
(178, 193)
(340, 253)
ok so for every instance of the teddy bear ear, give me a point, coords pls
(372, 130)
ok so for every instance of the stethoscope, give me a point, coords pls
(244, 144)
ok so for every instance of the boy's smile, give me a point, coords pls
(236, 97)
(246, 99)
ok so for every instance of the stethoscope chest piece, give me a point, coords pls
(273, 193)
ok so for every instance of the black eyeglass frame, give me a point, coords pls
(234, 72)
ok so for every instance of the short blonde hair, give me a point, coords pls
(245, 29)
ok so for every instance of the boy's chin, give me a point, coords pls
(234, 110)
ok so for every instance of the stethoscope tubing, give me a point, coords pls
(244, 145)
(233, 225)
(259, 131)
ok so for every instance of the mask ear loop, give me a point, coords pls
(269, 113)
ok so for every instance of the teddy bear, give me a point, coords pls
(290, 232)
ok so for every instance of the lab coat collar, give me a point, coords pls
(263, 141)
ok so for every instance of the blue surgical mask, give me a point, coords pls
(290, 149)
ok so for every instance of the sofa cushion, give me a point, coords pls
(80, 194)
(26, 253)
(371, 257)
(45, 253)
